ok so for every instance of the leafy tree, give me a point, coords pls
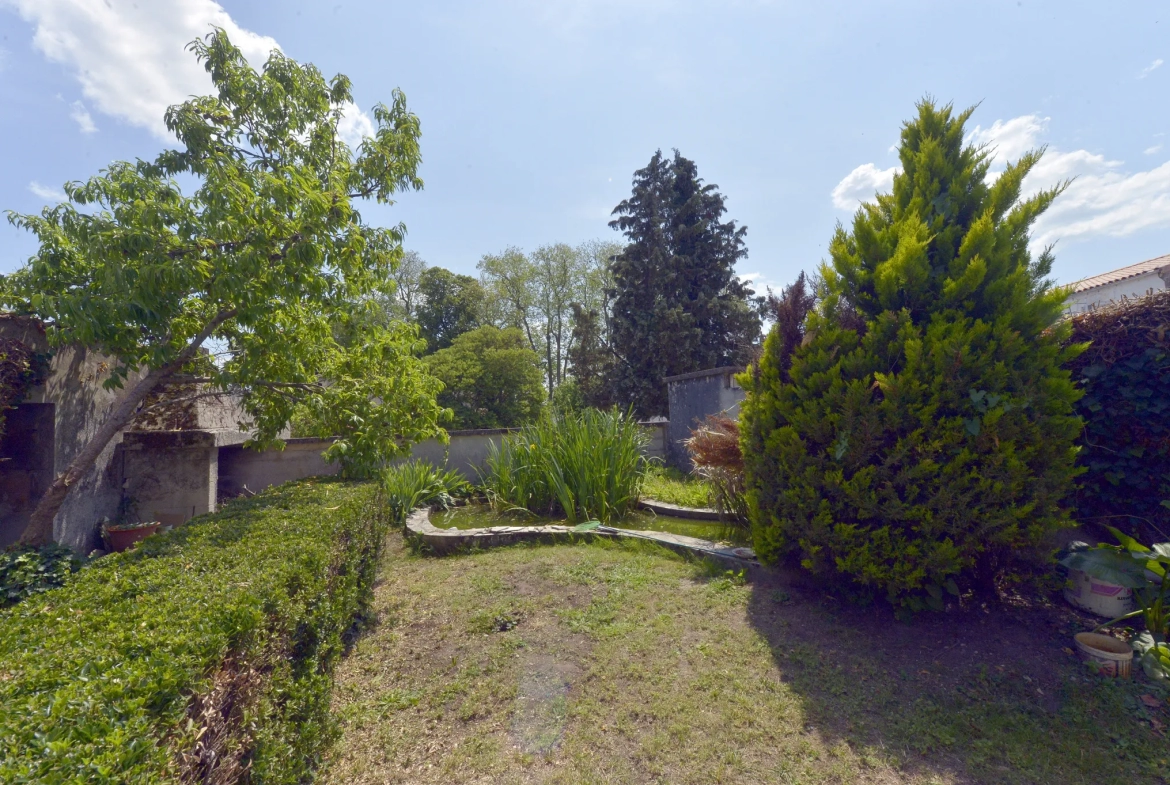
(407, 296)
(678, 305)
(491, 378)
(591, 359)
(450, 305)
(266, 257)
(538, 291)
(919, 438)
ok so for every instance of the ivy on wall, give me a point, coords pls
(1125, 448)
(20, 369)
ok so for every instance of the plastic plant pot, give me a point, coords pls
(1111, 656)
(125, 537)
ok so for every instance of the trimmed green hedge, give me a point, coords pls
(204, 655)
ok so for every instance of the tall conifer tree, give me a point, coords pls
(920, 439)
(678, 305)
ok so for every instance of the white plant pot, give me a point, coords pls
(1097, 596)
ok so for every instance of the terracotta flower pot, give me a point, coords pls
(125, 537)
(1111, 656)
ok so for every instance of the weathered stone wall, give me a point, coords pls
(80, 403)
(243, 470)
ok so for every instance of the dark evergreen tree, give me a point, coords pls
(451, 305)
(590, 360)
(678, 305)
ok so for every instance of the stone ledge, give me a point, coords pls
(676, 511)
(443, 541)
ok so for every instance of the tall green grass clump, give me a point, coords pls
(585, 466)
(416, 484)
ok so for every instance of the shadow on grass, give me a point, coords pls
(982, 695)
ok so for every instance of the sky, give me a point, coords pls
(536, 113)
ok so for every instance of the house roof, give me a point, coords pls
(1133, 271)
(725, 369)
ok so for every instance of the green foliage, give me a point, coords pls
(1125, 448)
(414, 484)
(591, 359)
(100, 677)
(1145, 570)
(372, 410)
(669, 485)
(28, 571)
(586, 466)
(922, 439)
(491, 379)
(266, 256)
(678, 304)
(449, 306)
(538, 292)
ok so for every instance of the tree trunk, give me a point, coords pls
(40, 525)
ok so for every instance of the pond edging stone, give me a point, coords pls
(444, 541)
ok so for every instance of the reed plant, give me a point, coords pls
(584, 466)
(414, 484)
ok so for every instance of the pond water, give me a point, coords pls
(480, 516)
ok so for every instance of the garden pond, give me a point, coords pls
(481, 516)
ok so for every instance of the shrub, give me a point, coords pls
(922, 439)
(583, 466)
(28, 571)
(715, 452)
(203, 655)
(419, 484)
(1125, 448)
(491, 378)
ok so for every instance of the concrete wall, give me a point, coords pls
(1130, 288)
(244, 470)
(694, 396)
(170, 476)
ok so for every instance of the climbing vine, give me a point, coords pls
(1125, 447)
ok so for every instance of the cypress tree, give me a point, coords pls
(678, 305)
(922, 439)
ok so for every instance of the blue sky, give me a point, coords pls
(535, 113)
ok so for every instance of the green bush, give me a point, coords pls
(919, 438)
(415, 484)
(203, 655)
(583, 466)
(1125, 448)
(491, 378)
(28, 571)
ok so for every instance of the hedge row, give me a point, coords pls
(204, 655)
(1125, 447)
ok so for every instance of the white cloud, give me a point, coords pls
(131, 58)
(46, 192)
(1010, 139)
(1149, 69)
(1152, 150)
(354, 125)
(1103, 199)
(79, 113)
(861, 184)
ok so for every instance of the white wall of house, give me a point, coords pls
(1129, 288)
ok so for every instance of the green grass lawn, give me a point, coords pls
(673, 487)
(610, 663)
